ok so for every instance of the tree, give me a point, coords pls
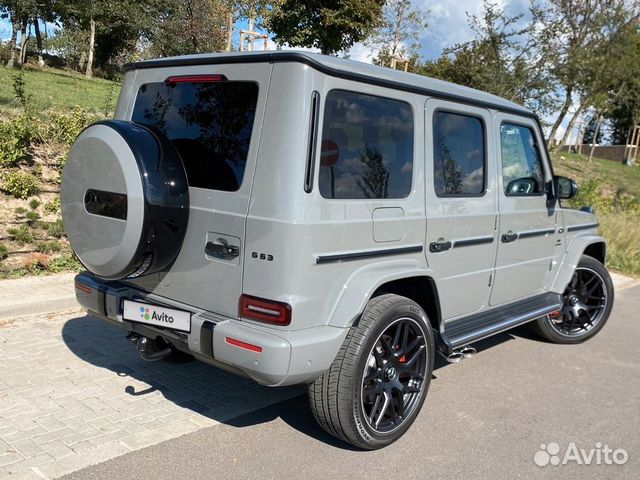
(574, 25)
(189, 26)
(508, 56)
(330, 25)
(400, 32)
(374, 181)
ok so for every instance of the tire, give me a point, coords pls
(389, 355)
(587, 304)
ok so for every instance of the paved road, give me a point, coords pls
(484, 418)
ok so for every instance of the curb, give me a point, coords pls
(37, 295)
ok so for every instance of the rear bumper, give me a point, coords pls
(285, 357)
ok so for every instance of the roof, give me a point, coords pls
(351, 70)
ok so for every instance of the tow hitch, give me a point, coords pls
(150, 350)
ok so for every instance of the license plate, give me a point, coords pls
(157, 316)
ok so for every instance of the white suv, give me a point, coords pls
(297, 218)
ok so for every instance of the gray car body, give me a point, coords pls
(331, 256)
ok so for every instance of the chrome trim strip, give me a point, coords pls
(537, 233)
(583, 226)
(472, 241)
(357, 255)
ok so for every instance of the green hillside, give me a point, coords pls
(49, 88)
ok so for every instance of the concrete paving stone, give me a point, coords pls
(110, 437)
(20, 434)
(104, 426)
(31, 474)
(131, 426)
(152, 437)
(27, 447)
(28, 463)
(11, 457)
(57, 449)
(75, 438)
(87, 458)
(6, 448)
(50, 423)
(52, 436)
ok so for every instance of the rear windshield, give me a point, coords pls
(210, 125)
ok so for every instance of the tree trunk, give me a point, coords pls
(36, 26)
(15, 26)
(230, 33)
(595, 135)
(92, 40)
(561, 115)
(572, 124)
(23, 43)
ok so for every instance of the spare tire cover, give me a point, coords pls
(125, 200)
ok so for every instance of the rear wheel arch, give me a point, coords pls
(420, 289)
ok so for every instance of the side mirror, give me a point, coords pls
(565, 187)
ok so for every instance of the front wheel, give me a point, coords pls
(378, 382)
(587, 303)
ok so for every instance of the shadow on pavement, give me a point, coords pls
(205, 389)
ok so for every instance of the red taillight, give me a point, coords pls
(196, 79)
(263, 310)
(245, 345)
(83, 288)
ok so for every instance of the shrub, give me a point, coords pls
(4, 252)
(32, 216)
(50, 246)
(53, 206)
(64, 263)
(65, 127)
(21, 210)
(21, 234)
(16, 136)
(20, 91)
(56, 229)
(34, 204)
(20, 185)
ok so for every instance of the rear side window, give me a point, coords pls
(367, 147)
(522, 172)
(209, 123)
(459, 155)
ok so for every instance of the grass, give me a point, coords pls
(614, 190)
(49, 88)
(612, 175)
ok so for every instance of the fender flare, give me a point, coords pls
(364, 281)
(575, 250)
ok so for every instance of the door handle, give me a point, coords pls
(509, 237)
(440, 246)
(221, 249)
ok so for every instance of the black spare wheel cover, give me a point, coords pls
(125, 200)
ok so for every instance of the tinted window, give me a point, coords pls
(459, 153)
(367, 147)
(210, 125)
(522, 171)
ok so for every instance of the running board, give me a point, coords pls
(482, 325)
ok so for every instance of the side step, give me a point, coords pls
(464, 331)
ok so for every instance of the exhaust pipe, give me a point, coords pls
(460, 354)
(150, 350)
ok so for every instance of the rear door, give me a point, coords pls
(461, 204)
(213, 116)
(529, 238)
